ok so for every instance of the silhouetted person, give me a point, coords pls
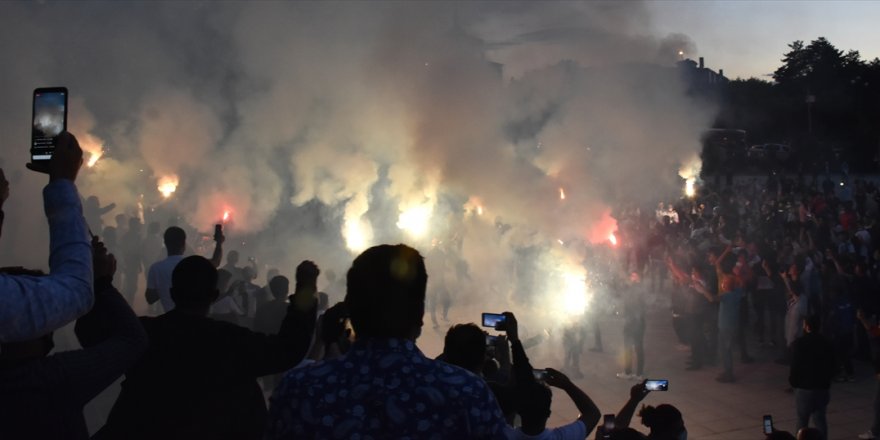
(132, 254)
(92, 210)
(159, 275)
(633, 329)
(42, 397)
(533, 405)
(198, 377)
(270, 314)
(31, 306)
(384, 386)
(665, 421)
(812, 367)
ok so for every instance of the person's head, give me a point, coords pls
(134, 224)
(280, 287)
(92, 203)
(385, 292)
(533, 400)
(194, 284)
(307, 273)
(664, 421)
(232, 257)
(810, 433)
(175, 240)
(465, 346)
(120, 221)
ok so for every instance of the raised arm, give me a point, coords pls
(111, 336)
(589, 412)
(636, 394)
(217, 256)
(33, 306)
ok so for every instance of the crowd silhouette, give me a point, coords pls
(790, 263)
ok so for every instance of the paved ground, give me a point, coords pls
(711, 410)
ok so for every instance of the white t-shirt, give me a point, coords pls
(159, 279)
(573, 431)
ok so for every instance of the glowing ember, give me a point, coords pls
(167, 185)
(613, 239)
(93, 158)
(415, 220)
(561, 194)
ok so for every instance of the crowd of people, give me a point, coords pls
(792, 264)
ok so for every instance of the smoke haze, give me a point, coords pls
(324, 128)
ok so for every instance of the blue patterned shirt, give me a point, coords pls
(384, 388)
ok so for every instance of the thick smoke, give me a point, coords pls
(323, 128)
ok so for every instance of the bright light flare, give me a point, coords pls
(93, 158)
(167, 185)
(479, 210)
(357, 235)
(689, 189)
(573, 297)
(613, 239)
(561, 194)
(415, 220)
(226, 215)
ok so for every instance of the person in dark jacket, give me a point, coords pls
(812, 368)
(43, 396)
(198, 377)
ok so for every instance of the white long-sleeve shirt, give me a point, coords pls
(32, 306)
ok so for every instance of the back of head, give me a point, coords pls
(465, 346)
(232, 257)
(280, 286)
(665, 421)
(533, 400)
(307, 273)
(175, 240)
(194, 283)
(810, 434)
(385, 293)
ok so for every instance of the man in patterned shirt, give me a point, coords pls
(384, 387)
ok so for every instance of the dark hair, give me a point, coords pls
(533, 400)
(280, 286)
(465, 346)
(664, 420)
(175, 239)
(307, 273)
(194, 282)
(385, 291)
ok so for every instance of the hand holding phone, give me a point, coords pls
(540, 375)
(492, 320)
(66, 161)
(49, 121)
(768, 424)
(657, 385)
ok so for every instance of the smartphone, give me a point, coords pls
(492, 319)
(218, 231)
(657, 385)
(768, 424)
(608, 424)
(49, 120)
(540, 375)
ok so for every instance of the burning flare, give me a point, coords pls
(415, 220)
(167, 185)
(226, 215)
(561, 193)
(690, 172)
(93, 158)
(613, 239)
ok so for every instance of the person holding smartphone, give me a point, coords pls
(34, 306)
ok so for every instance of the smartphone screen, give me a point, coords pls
(768, 424)
(49, 120)
(540, 375)
(657, 385)
(609, 422)
(492, 319)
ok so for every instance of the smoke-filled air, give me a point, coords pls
(497, 138)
